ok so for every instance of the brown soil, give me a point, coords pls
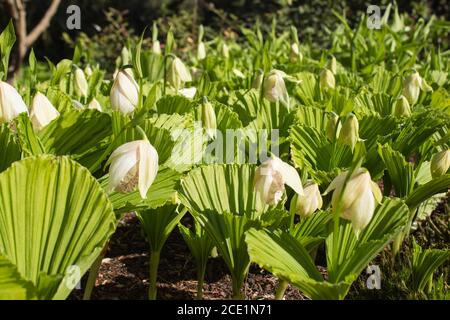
(124, 271)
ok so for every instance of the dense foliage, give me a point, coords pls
(359, 132)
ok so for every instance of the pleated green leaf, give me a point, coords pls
(400, 171)
(200, 246)
(222, 188)
(54, 221)
(425, 263)
(311, 231)
(425, 191)
(311, 117)
(311, 150)
(283, 255)
(158, 223)
(174, 104)
(161, 191)
(9, 147)
(29, 141)
(348, 255)
(12, 285)
(82, 134)
(228, 234)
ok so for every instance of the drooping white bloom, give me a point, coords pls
(80, 83)
(188, 92)
(310, 201)
(349, 133)
(42, 112)
(94, 104)
(124, 94)
(275, 89)
(11, 103)
(327, 80)
(178, 73)
(133, 165)
(412, 86)
(357, 199)
(440, 163)
(401, 107)
(270, 178)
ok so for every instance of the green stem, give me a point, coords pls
(237, 291)
(201, 278)
(142, 133)
(430, 284)
(165, 73)
(282, 286)
(141, 95)
(292, 211)
(200, 288)
(93, 274)
(154, 263)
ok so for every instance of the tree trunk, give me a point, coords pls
(17, 11)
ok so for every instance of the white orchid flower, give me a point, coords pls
(134, 164)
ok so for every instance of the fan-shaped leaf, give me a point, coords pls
(54, 217)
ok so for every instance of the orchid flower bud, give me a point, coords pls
(209, 118)
(332, 65)
(357, 199)
(256, 84)
(80, 83)
(94, 104)
(124, 94)
(310, 201)
(42, 112)
(327, 80)
(225, 50)
(295, 54)
(178, 73)
(440, 163)
(201, 51)
(274, 88)
(125, 56)
(11, 103)
(331, 130)
(401, 108)
(156, 47)
(349, 134)
(133, 165)
(88, 71)
(270, 178)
